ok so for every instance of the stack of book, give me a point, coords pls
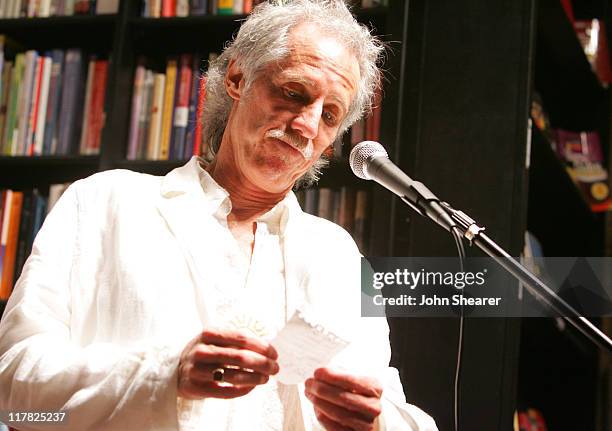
(167, 110)
(345, 206)
(21, 216)
(183, 8)
(47, 8)
(51, 103)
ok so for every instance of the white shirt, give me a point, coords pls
(123, 274)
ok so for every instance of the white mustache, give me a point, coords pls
(299, 143)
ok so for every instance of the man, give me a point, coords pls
(149, 303)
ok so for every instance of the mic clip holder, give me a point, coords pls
(467, 224)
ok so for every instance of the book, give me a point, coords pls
(87, 114)
(9, 243)
(144, 121)
(182, 8)
(39, 128)
(107, 7)
(181, 106)
(53, 103)
(24, 105)
(11, 135)
(157, 103)
(198, 7)
(193, 108)
(168, 9)
(225, 7)
(97, 107)
(72, 85)
(137, 101)
(168, 108)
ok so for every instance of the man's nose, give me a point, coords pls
(306, 122)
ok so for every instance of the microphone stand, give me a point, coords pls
(474, 233)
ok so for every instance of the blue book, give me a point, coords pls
(198, 7)
(71, 87)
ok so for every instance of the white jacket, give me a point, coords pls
(115, 287)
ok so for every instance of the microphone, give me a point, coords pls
(369, 161)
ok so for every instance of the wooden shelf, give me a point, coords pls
(94, 32)
(152, 167)
(558, 215)
(23, 172)
(572, 94)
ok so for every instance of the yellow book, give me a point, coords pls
(166, 130)
(156, 111)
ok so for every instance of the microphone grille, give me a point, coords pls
(361, 154)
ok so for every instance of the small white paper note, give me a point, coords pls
(303, 346)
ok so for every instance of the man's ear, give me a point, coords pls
(234, 80)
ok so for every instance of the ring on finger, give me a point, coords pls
(218, 375)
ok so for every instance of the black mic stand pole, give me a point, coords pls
(474, 233)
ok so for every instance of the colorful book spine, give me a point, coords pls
(168, 108)
(137, 99)
(87, 114)
(39, 130)
(10, 245)
(71, 84)
(144, 121)
(181, 109)
(198, 7)
(225, 7)
(193, 107)
(157, 105)
(53, 104)
(94, 137)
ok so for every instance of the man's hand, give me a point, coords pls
(344, 402)
(247, 362)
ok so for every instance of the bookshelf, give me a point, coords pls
(455, 110)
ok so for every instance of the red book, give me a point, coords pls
(168, 8)
(12, 237)
(97, 107)
(197, 136)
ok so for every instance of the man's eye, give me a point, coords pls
(328, 116)
(292, 94)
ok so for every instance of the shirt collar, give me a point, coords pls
(219, 203)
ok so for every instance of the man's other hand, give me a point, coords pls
(246, 362)
(344, 402)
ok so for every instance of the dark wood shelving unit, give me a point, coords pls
(558, 367)
(96, 33)
(27, 172)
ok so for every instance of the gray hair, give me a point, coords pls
(263, 39)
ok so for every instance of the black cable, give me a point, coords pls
(461, 250)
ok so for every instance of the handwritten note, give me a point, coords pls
(303, 346)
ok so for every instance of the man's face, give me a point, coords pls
(291, 113)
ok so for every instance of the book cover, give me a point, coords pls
(7, 72)
(168, 109)
(198, 149)
(157, 104)
(53, 103)
(82, 7)
(4, 225)
(107, 7)
(39, 131)
(137, 99)
(182, 8)
(144, 121)
(39, 216)
(155, 8)
(24, 105)
(193, 107)
(87, 114)
(10, 251)
(181, 107)
(168, 10)
(33, 118)
(94, 136)
(225, 7)
(72, 92)
(198, 7)
(10, 138)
